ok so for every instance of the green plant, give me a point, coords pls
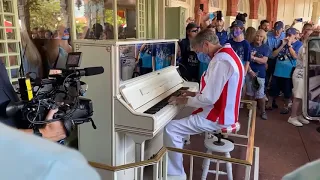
(44, 13)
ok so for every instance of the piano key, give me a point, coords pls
(164, 102)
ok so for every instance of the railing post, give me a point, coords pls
(165, 166)
(191, 168)
(155, 171)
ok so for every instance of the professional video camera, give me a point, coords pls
(61, 90)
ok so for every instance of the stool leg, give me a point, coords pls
(205, 167)
(229, 167)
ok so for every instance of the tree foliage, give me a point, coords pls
(109, 18)
(44, 13)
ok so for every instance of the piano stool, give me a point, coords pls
(215, 142)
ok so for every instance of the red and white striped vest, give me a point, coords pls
(226, 110)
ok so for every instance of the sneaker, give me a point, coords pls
(182, 177)
(294, 121)
(264, 116)
(303, 120)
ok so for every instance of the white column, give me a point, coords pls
(228, 20)
(253, 23)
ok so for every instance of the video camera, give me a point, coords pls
(63, 89)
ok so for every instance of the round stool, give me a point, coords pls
(216, 144)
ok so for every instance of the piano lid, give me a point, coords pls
(140, 92)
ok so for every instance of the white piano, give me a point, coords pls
(130, 115)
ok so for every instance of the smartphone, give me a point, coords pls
(219, 15)
(201, 7)
(311, 99)
(299, 19)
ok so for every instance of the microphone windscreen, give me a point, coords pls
(93, 71)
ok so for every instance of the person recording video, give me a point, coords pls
(53, 131)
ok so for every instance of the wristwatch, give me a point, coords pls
(37, 132)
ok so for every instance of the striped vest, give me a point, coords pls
(226, 110)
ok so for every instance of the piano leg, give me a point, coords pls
(139, 152)
(139, 148)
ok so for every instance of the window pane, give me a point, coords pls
(14, 60)
(7, 6)
(2, 48)
(11, 34)
(13, 47)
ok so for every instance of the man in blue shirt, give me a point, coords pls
(274, 39)
(239, 44)
(221, 32)
(259, 58)
(285, 55)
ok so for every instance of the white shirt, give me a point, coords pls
(28, 157)
(219, 74)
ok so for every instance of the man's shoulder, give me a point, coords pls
(37, 153)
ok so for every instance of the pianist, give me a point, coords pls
(217, 102)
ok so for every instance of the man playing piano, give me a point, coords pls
(217, 102)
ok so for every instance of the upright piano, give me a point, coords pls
(130, 114)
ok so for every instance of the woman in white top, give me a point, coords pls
(298, 81)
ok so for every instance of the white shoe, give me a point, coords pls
(303, 120)
(182, 177)
(294, 121)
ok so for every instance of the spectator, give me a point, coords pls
(34, 33)
(259, 58)
(189, 67)
(48, 34)
(298, 80)
(242, 17)
(250, 34)
(285, 55)
(239, 44)
(221, 32)
(274, 39)
(264, 24)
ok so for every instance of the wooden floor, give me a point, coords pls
(283, 147)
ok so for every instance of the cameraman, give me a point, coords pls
(53, 131)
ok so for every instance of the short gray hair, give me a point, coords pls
(205, 35)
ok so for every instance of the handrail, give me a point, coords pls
(252, 132)
(164, 150)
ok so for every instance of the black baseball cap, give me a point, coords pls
(191, 26)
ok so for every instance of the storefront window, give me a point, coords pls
(94, 19)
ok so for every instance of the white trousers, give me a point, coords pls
(173, 136)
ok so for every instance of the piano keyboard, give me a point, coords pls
(156, 108)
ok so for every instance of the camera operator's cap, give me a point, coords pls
(278, 25)
(291, 31)
(237, 23)
(191, 26)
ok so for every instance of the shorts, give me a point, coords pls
(298, 83)
(259, 94)
(281, 84)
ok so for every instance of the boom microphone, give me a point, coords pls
(91, 71)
